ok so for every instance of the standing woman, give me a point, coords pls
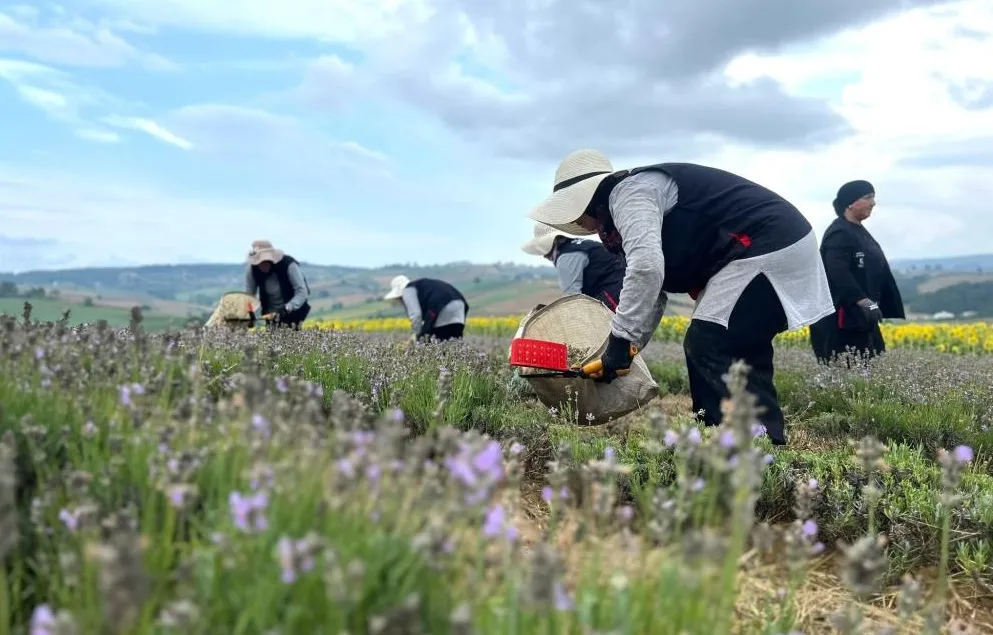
(746, 255)
(862, 285)
(584, 266)
(435, 308)
(280, 283)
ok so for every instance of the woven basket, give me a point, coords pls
(580, 321)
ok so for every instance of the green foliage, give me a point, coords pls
(231, 484)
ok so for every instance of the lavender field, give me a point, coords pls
(329, 483)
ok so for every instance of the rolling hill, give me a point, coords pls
(172, 294)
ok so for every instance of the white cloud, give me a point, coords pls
(47, 100)
(900, 106)
(150, 128)
(94, 219)
(78, 42)
(56, 92)
(98, 136)
(338, 21)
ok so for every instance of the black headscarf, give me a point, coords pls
(849, 193)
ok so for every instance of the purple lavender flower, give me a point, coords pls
(726, 440)
(547, 494)
(489, 461)
(346, 467)
(248, 513)
(281, 385)
(261, 425)
(671, 438)
(562, 600)
(809, 528)
(962, 454)
(373, 472)
(43, 620)
(70, 520)
(39, 353)
(495, 524)
(693, 436)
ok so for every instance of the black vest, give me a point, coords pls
(604, 273)
(281, 271)
(719, 217)
(433, 295)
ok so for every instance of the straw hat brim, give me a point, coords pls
(541, 245)
(272, 255)
(562, 209)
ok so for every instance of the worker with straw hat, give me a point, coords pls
(747, 257)
(436, 309)
(584, 266)
(280, 283)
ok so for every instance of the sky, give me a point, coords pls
(361, 132)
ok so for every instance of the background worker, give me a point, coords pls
(280, 283)
(584, 266)
(746, 255)
(862, 284)
(436, 309)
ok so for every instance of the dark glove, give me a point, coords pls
(871, 311)
(283, 316)
(617, 357)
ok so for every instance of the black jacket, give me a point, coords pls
(433, 295)
(281, 271)
(603, 276)
(856, 268)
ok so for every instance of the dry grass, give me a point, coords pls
(760, 582)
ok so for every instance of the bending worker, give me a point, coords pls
(746, 255)
(280, 283)
(862, 284)
(584, 266)
(435, 308)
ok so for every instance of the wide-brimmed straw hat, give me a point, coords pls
(263, 250)
(543, 241)
(576, 180)
(397, 285)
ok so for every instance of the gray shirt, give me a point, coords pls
(570, 268)
(637, 205)
(272, 291)
(451, 313)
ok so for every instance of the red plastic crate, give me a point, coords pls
(539, 354)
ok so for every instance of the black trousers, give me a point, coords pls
(294, 319)
(710, 349)
(447, 332)
(831, 343)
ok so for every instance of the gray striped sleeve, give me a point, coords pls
(638, 205)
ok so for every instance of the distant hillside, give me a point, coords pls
(972, 264)
(343, 292)
(173, 293)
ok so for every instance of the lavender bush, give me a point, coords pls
(332, 483)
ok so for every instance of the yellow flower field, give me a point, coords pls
(961, 338)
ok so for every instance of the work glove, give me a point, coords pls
(616, 360)
(871, 311)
